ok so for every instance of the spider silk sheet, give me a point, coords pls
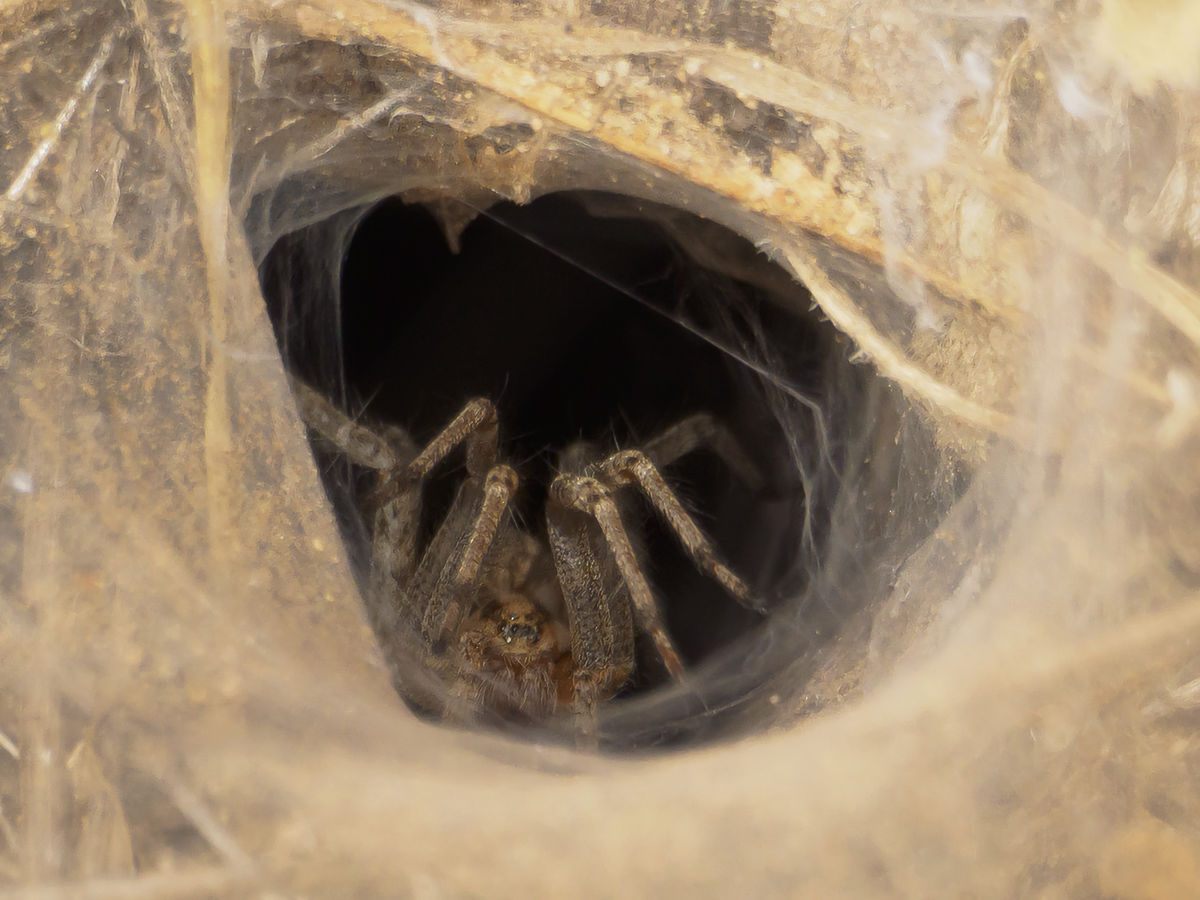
(995, 204)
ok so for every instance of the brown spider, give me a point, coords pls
(515, 625)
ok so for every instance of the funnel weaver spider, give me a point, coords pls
(513, 624)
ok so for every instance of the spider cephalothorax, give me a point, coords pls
(512, 660)
(514, 624)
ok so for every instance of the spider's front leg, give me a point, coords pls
(598, 600)
(404, 597)
(398, 512)
(597, 607)
(641, 469)
(440, 587)
(632, 467)
(598, 611)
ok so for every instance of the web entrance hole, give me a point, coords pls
(603, 318)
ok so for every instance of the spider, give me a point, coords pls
(517, 625)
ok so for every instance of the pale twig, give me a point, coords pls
(9, 745)
(162, 64)
(29, 170)
(892, 364)
(190, 804)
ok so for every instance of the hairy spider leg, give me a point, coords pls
(398, 516)
(363, 446)
(703, 431)
(394, 533)
(478, 426)
(591, 496)
(599, 613)
(453, 558)
(457, 551)
(632, 467)
(450, 568)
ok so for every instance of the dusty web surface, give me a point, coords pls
(996, 205)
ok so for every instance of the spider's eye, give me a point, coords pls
(514, 630)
